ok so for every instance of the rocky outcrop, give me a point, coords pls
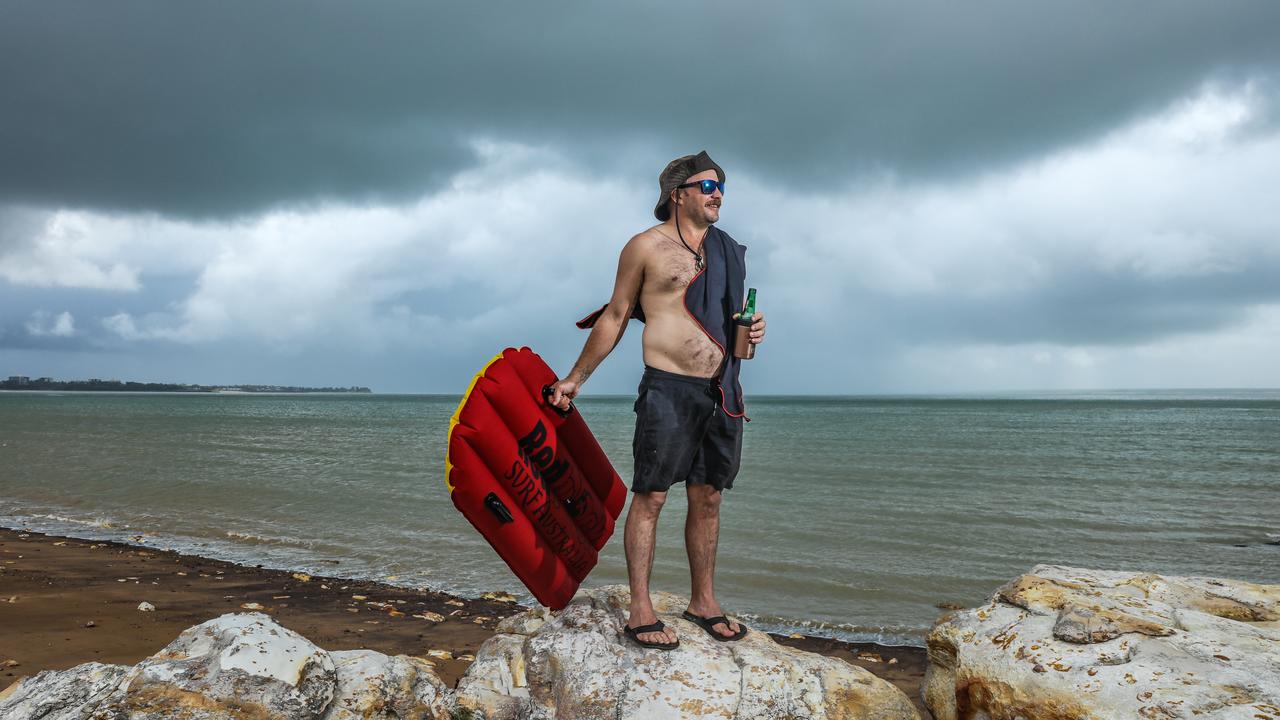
(577, 664)
(243, 663)
(235, 666)
(65, 695)
(1062, 643)
(571, 664)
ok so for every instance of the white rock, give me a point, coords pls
(496, 681)
(372, 686)
(525, 623)
(61, 694)
(234, 664)
(1066, 642)
(146, 607)
(237, 666)
(578, 664)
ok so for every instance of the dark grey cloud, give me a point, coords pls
(227, 108)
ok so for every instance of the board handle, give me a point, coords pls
(546, 396)
(498, 509)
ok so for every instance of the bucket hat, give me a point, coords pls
(675, 173)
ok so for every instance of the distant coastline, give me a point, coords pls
(21, 382)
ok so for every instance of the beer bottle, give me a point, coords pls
(742, 346)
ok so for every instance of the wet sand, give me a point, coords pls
(65, 601)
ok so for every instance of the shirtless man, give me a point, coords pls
(688, 429)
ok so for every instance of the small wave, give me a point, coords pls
(104, 523)
(269, 539)
(890, 635)
(268, 551)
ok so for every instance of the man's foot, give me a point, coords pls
(645, 628)
(718, 626)
(652, 630)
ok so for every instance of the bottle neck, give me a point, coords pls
(749, 309)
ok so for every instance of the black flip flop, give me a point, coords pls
(633, 633)
(709, 624)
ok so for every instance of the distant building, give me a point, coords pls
(19, 380)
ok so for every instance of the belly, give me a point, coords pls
(677, 344)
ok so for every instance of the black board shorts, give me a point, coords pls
(683, 434)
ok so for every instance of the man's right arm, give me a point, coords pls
(610, 326)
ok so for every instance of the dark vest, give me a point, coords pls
(713, 296)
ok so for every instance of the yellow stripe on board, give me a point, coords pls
(453, 421)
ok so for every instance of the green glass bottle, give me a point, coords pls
(742, 345)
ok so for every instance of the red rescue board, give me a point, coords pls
(534, 481)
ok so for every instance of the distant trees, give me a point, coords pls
(21, 382)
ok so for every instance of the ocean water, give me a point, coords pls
(852, 517)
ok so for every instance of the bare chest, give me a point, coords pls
(670, 270)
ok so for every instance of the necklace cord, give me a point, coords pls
(697, 256)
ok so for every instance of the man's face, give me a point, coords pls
(694, 204)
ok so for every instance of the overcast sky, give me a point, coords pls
(936, 196)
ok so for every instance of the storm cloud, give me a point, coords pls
(223, 109)
(936, 197)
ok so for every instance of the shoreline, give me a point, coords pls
(235, 549)
(66, 601)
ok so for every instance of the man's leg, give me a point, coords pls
(701, 540)
(639, 538)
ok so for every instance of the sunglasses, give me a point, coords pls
(706, 186)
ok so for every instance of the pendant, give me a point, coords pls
(698, 263)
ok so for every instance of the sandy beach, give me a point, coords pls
(65, 601)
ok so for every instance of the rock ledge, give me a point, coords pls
(578, 664)
(1063, 642)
